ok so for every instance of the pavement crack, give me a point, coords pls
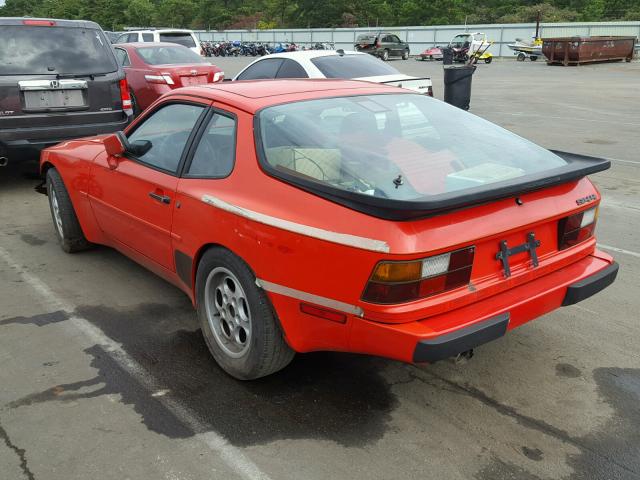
(524, 420)
(20, 452)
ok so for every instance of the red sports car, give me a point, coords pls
(154, 69)
(303, 215)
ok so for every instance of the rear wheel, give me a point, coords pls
(533, 58)
(521, 57)
(385, 55)
(236, 317)
(488, 60)
(405, 55)
(64, 217)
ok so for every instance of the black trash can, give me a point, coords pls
(447, 55)
(457, 85)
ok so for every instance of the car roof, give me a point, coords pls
(160, 30)
(149, 45)
(253, 95)
(309, 54)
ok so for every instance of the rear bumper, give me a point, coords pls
(451, 332)
(37, 138)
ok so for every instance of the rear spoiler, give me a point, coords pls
(578, 166)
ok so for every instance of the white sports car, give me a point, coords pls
(332, 64)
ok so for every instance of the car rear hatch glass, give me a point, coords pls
(181, 38)
(402, 156)
(181, 64)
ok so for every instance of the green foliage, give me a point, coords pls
(265, 14)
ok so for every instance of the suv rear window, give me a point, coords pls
(366, 38)
(184, 39)
(35, 50)
(169, 55)
(352, 66)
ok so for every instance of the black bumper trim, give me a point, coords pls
(453, 343)
(576, 292)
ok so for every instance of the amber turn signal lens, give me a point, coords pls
(397, 272)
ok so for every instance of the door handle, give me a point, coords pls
(161, 198)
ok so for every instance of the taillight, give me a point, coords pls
(378, 44)
(577, 228)
(164, 78)
(398, 282)
(429, 91)
(125, 97)
(218, 76)
(39, 23)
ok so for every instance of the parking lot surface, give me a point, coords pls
(104, 373)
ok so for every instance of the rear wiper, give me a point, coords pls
(92, 76)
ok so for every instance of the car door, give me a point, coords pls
(132, 197)
(397, 45)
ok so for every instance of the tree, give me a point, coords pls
(139, 13)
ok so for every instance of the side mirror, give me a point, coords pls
(113, 145)
(139, 147)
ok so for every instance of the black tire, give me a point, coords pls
(385, 55)
(521, 56)
(488, 60)
(533, 58)
(134, 104)
(405, 55)
(267, 351)
(68, 231)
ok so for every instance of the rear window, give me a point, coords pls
(35, 50)
(366, 38)
(184, 39)
(396, 146)
(168, 55)
(352, 66)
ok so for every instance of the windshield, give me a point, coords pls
(395, 146)
(459, 40)
(352, 66)
(180, 38)
(168, 55)
(36, 50)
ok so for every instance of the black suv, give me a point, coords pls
(383, 45)
(59, 79)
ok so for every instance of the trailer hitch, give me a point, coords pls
(505, 252)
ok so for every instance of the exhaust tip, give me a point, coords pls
(4, 161)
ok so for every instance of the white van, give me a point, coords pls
(182, 37)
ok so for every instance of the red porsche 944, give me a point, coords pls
(303, 215)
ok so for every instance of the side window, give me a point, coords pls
(122, 38)
(262, 69)
(147, 37)
(133, 37)
(395, 39)
(215, 155)
(168, 130)
(122, 57)
(387, 39)
(291, 69)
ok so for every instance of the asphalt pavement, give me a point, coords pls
(104, 374)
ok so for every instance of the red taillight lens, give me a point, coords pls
(429, 91)
(39, 23)
(399, 282)
(125, 97)
(577, 228)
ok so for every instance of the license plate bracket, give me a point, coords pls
(505, 252)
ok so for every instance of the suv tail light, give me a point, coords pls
(164, 78)
(378, 44)
(577, 228)
(398, 282)
(429, 91)
(125, 97)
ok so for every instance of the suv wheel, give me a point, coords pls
(237, 319)
(405, 55)
(385, 55)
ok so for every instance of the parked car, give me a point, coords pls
(332, 64)
(154, 69)
(112, 36)
(303, 215)
(383, 45)
(186, 38)
(431, 53)
(59, 79)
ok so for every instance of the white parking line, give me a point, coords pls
(619, 250)
(229, 454)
